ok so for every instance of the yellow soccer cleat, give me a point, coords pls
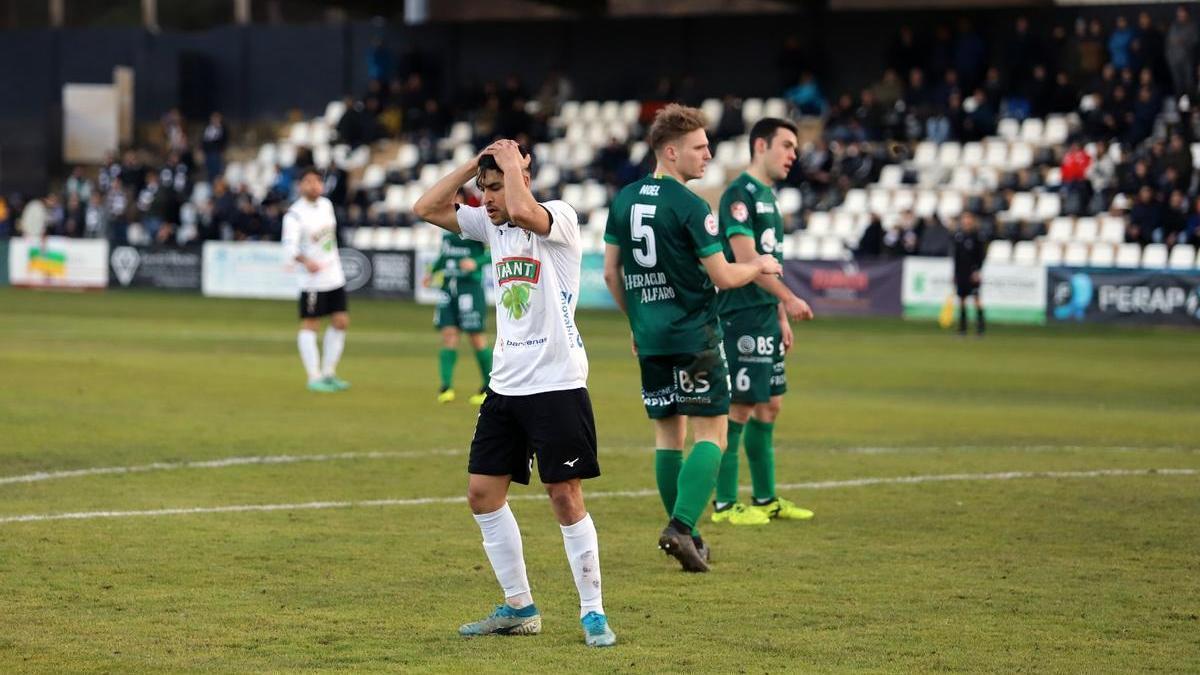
(477, 399)
(782, 509)
(740, 514)
(446, 396)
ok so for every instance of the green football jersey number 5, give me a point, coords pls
(640, 231)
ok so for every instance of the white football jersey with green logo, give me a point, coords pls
(310, 228)
(538, 346)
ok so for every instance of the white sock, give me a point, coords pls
(583, 552)
(502, 543)
(307, 342)
(335, 341)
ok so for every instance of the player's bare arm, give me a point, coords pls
(797, 309)
(523, 209)
(437, 204)
(726, 275)
(614, 274)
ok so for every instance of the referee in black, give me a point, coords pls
(968, 251)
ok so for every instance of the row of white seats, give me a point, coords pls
(840, 224)
(924, 203)
(1054, 130)
(1099, 254)
(1028, 207)
(803, 246)
(997, 154)
(625, 112)
(1104, 228)
(753, 109)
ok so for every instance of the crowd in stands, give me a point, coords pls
(1131, 88)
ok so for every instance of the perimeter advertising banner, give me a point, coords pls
(1010, 293)
(261, 270)
(1123, 296)
(58, 262)
(155, 267)
(3, 262)
(848, 288)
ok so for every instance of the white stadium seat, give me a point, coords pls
(1031, 131)
(299, 133)
(950, 205)
(610, 112)
(948, 153)
(598, 218)
(1008, 129)
(630, 110)
(364, 237)
(1060, 229)
(382, 238)
(832, 249)
(999, 251)
(1050, 253)
(926, 154)
(1056, 130)
(844, 225)
(572, 193)
(1025, 253)
(752, 110)
(333, 112)
(775, 107)
(789, 201)
(927, 202)
(996, 154)
(1112, 229)
(808, 248)
(856, 201)
(891, 176)
(589, 111)
(1020, 156)
(1021, 206)
(637, 152)
(1076, 254)
(972, 155)
(393, 198)
(1049, 205)
(1154, 256)
(1128, 256)
(1087, 230)
(1102, 255)
(374, 176)
(1183, 257)
(903, 200)
(820, 223)
(879, 201)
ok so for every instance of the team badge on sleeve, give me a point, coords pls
(710, 224)
(739, 211)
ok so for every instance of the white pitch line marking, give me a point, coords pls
(421, 501)
(221, 463)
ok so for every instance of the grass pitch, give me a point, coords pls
(1074, 572)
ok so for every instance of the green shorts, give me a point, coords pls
(685, 384)
(462, 306)
(754, 343)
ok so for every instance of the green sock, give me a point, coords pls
(484, 357)
(727, 479)
(697, 479)
(760, 451)
(446, 359)
(667, 464)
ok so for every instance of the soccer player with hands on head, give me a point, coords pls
(537, 405)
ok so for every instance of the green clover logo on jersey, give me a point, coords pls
(515, 299)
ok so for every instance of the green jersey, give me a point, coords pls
(663, 230)
(748, 208)
(455, 249)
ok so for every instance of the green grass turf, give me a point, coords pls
(1092, 574)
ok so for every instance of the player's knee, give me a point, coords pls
(481, 499)
(740, 413)
(767, 412)
(340, 321)
(567, 500)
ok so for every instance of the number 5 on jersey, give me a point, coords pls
(642, 232)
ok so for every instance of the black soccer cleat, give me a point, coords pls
(679, 545)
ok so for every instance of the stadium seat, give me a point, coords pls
(382, 238)
(962, 178)
(808, 248)
(948, 153)
(832, 248)
(903, 200)
(819, 224)
(1183, 257)
(1102, 255)
(1154, 256)
(1050, 253)
(1049, 205)
(594, 196)
(1008, 129)
(1128, 256)
(403, 238)
(790, 244)
(427, 237)
(950, 205)
(460, 132)
(855, 202)
(789, 201)
(318, 133)
(1056, 130)
(617, 130)
(972, 154)
(463, 153)
(287, 155)
(996, 154)
(610, 112)
(1020, 156)
(322, 155)
(393, 198)
(844, 225)
(298, 134)
(637, 152)
(891, 176)
(373, 177)
(341, 152)
(1076, 254)
(1021, 208)
(1086, 230)
(775, 107)
(598, 218)
(266, 154)
(548, 176)
(1025, 253)
(879, 200)
(568, 112)
(201, 192)
(576, 133)
(926, 154)
(630, 110)
(1060, 229)
(1196, 155)
(1112, 229)
(1031, 131)
(589, 111)
(333, 112)
(572, 193)
(927, 202)
(364, 237)
(752, 111)
(999, 251)
(712, 109)
(725, 153)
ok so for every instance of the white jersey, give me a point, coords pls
(310, 229)
(538, 347)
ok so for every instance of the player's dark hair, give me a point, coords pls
(307, 170)
(488, 162)
(766, 128)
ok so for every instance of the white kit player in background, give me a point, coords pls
(310, 239)
(537, 404)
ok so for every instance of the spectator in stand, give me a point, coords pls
(1182, 40)
(175, 135)
(888, 89)
(151, 205)
(906, 52)
(1153, 47)
(870, 114)
(5, 219)
(970, 54)
(33, 221)
(78, 185)
(72, 224)
(936, 239)
(1191, 232)
(806, 96)
(1179, 156)
(1040, 92)
(1022, 53)
(132, 173)
(213, 142)
(904, 238)
(1118, 43)
(1065, 96)
(380, 61)
(119, 203)
(1090, 46)
(1144, 218)
(732, 123)
(95, 217)
(612, 163)
(247, 222)
(1174, 220)
(870, 245)
(1075, 187)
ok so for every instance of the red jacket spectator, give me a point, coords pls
(1075, 164)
